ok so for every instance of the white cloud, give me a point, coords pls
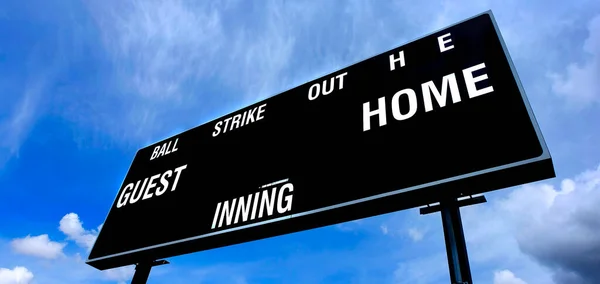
(384, 229)
(507, 277)
(17, 126)
(173, 61)
(40, 246)
(68, 268)
(415, 234)
(168, 42)
(71, 226)
(579, 85)
(422, 270)
(561, 228)
(165, 53)
(350, 226)
(17, 275)
(543, 233)
(120, 274)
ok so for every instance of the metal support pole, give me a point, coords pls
(142, 271)
(456, 247)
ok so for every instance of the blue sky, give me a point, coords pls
(84, 84)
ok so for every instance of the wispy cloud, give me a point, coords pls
(507, 277)
(157, 46)
(422, 270)
(384, 229)
(16, 127)
(579, 85)
(415, 234)
(167, 55)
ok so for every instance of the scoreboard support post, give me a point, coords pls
(142, 271)
(456, 248)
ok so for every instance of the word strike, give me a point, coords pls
(240, 120)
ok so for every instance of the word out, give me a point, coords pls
(148, 187)
(226, 209)
(315, 90)
(240, 120)
(164, 149)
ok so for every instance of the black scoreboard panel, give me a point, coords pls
(442, 116)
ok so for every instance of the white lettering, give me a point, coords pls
(214, 223)
(244, 118)
(124, 195)
(341, 79)
(442, 42)
(288, 199)
(161, 152)
(255, 205)
(175, 145)
(328, 91)
(150, 186)
(178, 171)
(227, 212)
(267, 203)
(250, 117)
(147, 188)
(261, 109)
(470, 81)
(243, 208)
(412, 104)
(394, 60)
(235, 123)
(164, 149)
(218, 128)
(226, 124)
(154, 153)
(428, 87)
(134, 198)
(313, 95)
(315, 90)
(380, 112)
(246, 207)
(239, 120)
(164, 182)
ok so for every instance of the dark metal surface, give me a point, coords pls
(142, 271)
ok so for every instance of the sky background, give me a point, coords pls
(84, 84)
